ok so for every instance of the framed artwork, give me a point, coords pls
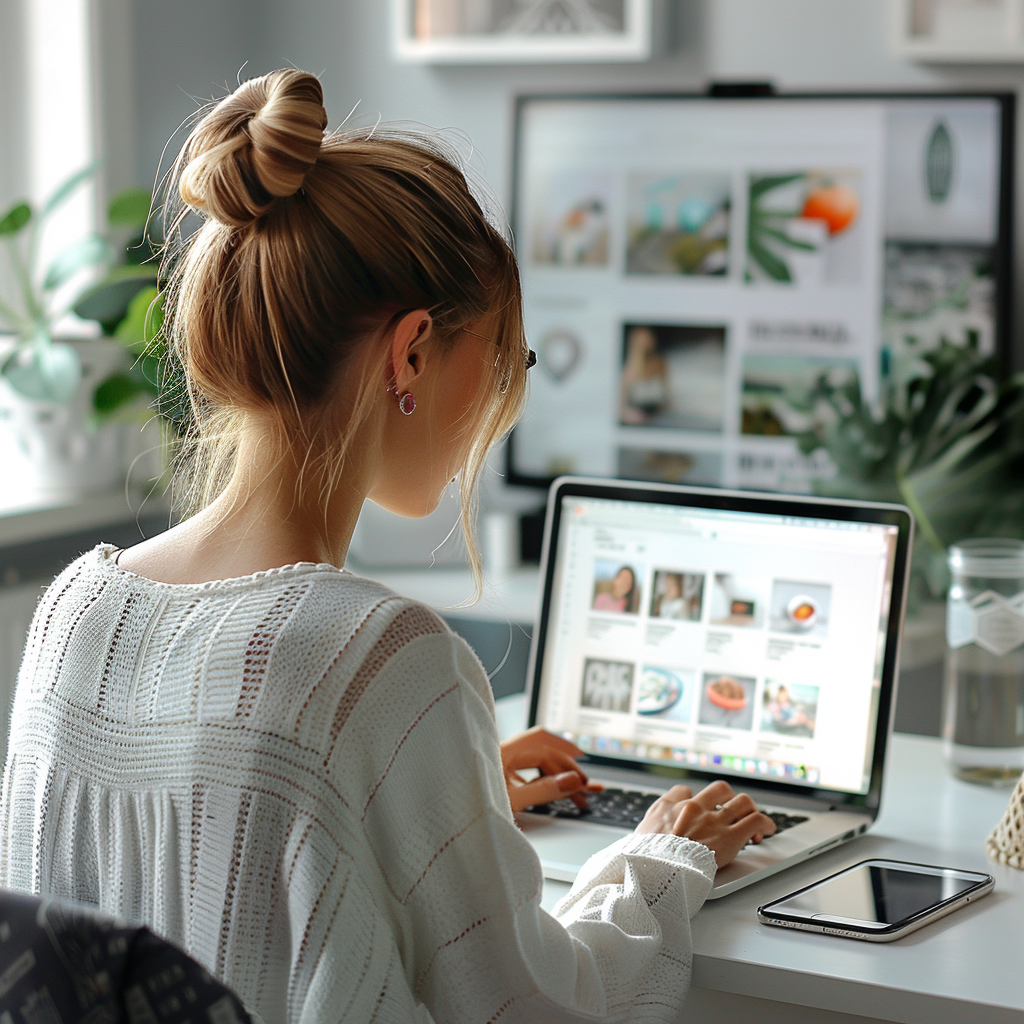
(960, 31)
(521, 31)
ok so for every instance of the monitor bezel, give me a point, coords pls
(754, 502)
(1003, 248)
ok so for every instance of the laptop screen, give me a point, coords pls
(735, 642)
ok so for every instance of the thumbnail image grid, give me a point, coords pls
(571, 228)
(678, 223)
(666, 694)
(803, 227)
(607, 685)
(727, 701)
(800, 608)
(790, 709)
(739, 601)
(670, 467)
(673, 375)
(785, 396)
(618, 586)
(677, 595)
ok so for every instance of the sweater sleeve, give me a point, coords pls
(473, 938)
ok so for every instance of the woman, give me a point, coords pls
(645, 386)
(619, 596)
(289, 770)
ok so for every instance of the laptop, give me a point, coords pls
(690, 634)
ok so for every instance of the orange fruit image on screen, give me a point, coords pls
(802, 612)
(836, 205)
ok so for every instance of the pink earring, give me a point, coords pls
(407, 404)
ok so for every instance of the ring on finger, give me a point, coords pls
(719, 807)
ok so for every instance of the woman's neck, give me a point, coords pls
(263, 520)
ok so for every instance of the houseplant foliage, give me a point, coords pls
(38, 367)
(946, 439)
(128, 305)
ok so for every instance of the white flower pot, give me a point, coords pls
(49, 452)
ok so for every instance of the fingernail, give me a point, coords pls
(568, 781)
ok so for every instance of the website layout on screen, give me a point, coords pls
(735, 642)
(707, 283)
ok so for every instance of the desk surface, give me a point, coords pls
(965, 966)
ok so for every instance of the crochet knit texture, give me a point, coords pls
(1006, 843)
(295, 776)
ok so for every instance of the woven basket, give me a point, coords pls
(1006, 844)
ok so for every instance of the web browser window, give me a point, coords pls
(736, 642)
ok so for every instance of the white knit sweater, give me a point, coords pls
(295, 776)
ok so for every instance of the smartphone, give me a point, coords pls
(877, 900)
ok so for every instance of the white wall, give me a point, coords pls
(185, 53)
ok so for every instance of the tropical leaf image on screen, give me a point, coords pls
(799, 213)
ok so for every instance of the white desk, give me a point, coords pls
(966, 967)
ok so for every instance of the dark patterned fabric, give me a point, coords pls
(65, 963)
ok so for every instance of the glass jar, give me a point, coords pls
(983, 722)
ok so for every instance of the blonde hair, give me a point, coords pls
(312, 247)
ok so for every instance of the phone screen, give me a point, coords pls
(878, 893)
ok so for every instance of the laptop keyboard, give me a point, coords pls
(626, 808)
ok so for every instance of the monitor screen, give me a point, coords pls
(695, 270)
(738, 642)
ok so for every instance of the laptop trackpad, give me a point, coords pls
(564, 845)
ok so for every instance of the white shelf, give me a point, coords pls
(959, 32)
(28, 524)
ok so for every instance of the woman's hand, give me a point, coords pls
(554, 758)
(716, 817)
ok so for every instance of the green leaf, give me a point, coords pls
(144, 318)
(48, 373)
(130, 209)
(15, 219)
(108, 301)
(85, 253)
(775, 268)
(118, 390)
(64, 190)
(782, 237)
(759, 186)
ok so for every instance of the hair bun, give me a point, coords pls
(255, 146)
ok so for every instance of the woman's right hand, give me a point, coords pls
(717, 817)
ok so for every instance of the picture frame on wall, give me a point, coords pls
(521, 31)
(960, 31)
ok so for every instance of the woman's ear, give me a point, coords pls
(409, 348)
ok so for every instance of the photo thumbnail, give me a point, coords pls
(784, 396)
(666, 693)
(571, 226)
(739, 601)
(673, 375)
(677, 595)
(678, 224)
(936, 293)
(801, 608)
(670, 467)
(804, 227)
(789, 709)
(617, 586)
(607, 685)
(727, 701)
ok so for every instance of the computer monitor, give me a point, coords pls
(694, 267)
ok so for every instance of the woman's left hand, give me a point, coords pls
(555, 759)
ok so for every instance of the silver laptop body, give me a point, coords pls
(691, 634)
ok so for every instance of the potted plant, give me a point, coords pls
(51, 445)
(946, 439)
